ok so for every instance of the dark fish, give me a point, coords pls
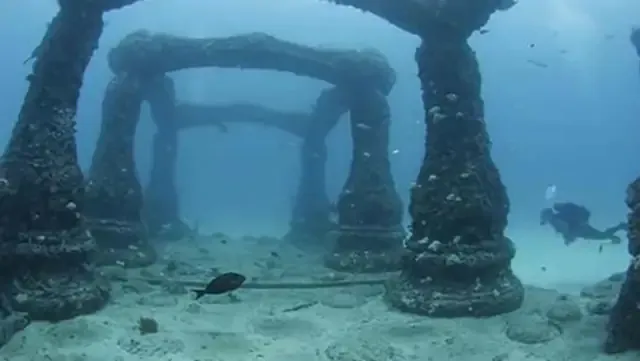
(539, 64)
(224, 283)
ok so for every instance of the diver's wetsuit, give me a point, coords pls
(572, 222)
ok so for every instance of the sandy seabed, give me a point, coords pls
(558, 322)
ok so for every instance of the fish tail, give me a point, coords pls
(199, 293)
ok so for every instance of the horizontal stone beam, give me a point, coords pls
(417, 16)
(190, 115)
(101, 5)
(146, 53)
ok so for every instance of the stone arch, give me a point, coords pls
(362, 80)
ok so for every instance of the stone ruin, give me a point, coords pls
(456, 259)
(369, 208)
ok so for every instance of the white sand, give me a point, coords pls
(351, 324)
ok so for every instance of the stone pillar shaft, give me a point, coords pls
(459, 260)
(161, 204)
(370, 230)
(45, 248)
(114, 194)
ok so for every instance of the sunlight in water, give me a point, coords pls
(576, 28)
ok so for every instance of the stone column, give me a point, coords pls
(624, 321)
(161, 204)
(370, 232)
(459, 258)
(311, 216)
(114, 194)
(46, 268)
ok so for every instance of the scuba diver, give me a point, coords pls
(572, 222)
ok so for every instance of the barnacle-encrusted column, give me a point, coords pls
(114, 194)
(459, 259)
(45, 249)
(161, 205)
(624, 321)
(370, 232)
(311, 216)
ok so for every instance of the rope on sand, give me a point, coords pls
(268, 285)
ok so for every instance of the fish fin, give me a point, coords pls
(199, 293)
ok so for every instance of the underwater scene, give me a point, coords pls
(308, 180)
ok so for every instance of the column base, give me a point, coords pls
(366, 250)
(435, 297)
(56, 295)
(122, 243)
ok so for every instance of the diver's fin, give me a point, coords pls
(622, 226)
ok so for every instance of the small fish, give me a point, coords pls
(275, 254)
(224, 283)
(363, 126)
(483, 31)
(539, 64)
